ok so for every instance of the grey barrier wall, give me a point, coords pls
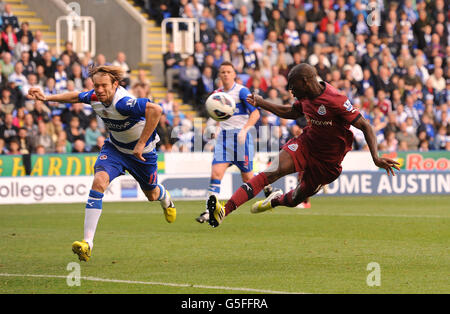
(116, 28)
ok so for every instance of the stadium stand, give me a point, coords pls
(397, 74)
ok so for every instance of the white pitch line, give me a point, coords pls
(291, 212)
(182, 285)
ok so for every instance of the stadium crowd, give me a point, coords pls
(397, 73)
(392, 62)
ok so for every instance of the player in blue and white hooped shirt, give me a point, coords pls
(131, 145)
(234, 143)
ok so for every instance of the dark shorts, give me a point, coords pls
(114, 162)
(314, 173)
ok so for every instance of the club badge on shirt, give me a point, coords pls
(322, 110)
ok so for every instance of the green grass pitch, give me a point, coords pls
(325, 249)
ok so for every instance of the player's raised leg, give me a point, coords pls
(282, 165)
(291, 199)
(159, 193)
(93, 212)
(146, 174)
(246, 176)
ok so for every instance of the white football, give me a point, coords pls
(220, 106)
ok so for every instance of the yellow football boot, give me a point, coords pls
(170, 212)
(82, 249)
(262, 206)
(216, 211)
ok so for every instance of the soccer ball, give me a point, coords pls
(220, 106)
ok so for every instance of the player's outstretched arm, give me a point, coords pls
(37, 94)
(152, 115)
(283, 111)
(386, 163)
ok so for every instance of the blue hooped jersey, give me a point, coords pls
(124, 118)
(243, 108)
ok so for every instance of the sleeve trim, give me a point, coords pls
(356, 119)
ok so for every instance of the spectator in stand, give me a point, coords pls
(218, 43)
(79, 147)
(207, 18)
(35, 56)
(14, 147)
(101, 60)
(8, 131)
(437, 80)
(9, 102)
(427, 127)
(61, 77)
(63, 146)
(2, 8)
(32, 82)
(172, 64)
(49, 65)
(92, 133)
(6, 64)
(292, 35)
(261, 15)
(29, 66)
(383, 103)
(9, 18)
(228, 20)
(226, 5)
(71, 53)
(77, 77)
(24, 140)
(121, 61)
(316, 14)
(206, 85)
(75, 110)
(100, 141)
(142, 78)
(17, 77)
(42, 46)
(390, 143)
(249, 55)
(86, 64)
(442, 138)
(43, 138)
(9, 37)
(244, 17)
(189, 76)
(25, 31)
(73, 130)
(207, 34)
(164, 130)
(30, 125)
(54, 127)
(383, 81)
(411, 140)
(176, 116)
(167, 102)
(40, 112)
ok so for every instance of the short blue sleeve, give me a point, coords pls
(243, 93)
(86, 97)
(132, 107)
